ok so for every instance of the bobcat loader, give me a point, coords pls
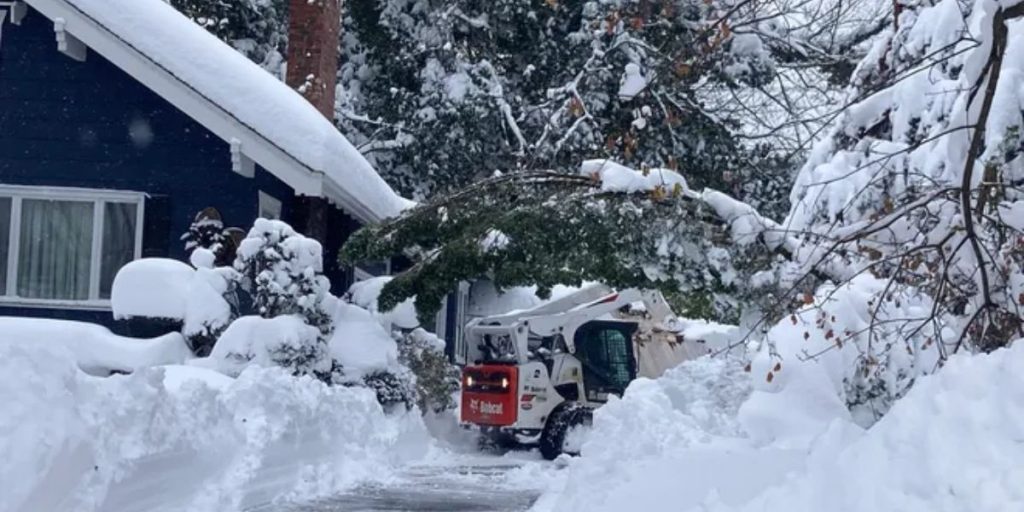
(535, 376)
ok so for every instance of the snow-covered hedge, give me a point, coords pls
(182, 438)
(151, 288)
(285, 341)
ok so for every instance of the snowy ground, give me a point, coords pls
(454, 482)
(704, 437)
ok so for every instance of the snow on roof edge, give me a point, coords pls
(228, 83)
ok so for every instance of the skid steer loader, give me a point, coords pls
(535, 376)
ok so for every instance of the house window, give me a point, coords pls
(64, 246)
(270, 207)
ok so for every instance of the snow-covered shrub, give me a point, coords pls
(207, 231)
(212, 302)
(436, 379)
(151, 288)
(431, 377)
(285, 340)
(393, 388)
(369, 356)
(365, 294)
(281, 270)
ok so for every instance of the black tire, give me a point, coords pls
(563, 419)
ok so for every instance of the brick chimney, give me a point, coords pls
(313, 32)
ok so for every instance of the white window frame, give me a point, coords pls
(98, 197)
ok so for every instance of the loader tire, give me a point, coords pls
(565, 418)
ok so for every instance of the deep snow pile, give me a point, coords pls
(183, 438)
(96, 350)
(687, 442)
(954, 443)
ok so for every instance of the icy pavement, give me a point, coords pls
(464, 483)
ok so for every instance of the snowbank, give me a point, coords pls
(669, 442)
(94, 348)
(151, 288)
(680, 443)
(183, 438)
(952, 444)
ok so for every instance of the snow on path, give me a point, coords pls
(454, 482)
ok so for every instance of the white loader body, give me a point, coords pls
(525, 366)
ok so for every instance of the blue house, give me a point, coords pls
(121, 119)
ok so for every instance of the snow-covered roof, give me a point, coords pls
(234, 98)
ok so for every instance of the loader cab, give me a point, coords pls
(605, 351)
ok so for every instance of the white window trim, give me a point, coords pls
(98, 197)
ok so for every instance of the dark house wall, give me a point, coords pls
(87, 124)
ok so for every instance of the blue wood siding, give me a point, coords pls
(88, 124)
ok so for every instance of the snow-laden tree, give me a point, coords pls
(257, 28)
(440, 93)
(904, 245)
(283, 272)
(918, 185)
(279, 271)
(609, 223)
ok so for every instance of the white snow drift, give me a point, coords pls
(181, 438)
(686, 442)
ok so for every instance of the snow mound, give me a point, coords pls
(669, 443)
(184, 439)
(94, 348)
(954, 443)
(151, 288)
(681, 443)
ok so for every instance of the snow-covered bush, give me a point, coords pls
(212, 302)
(431, 379)
(365, 294)
(207, 231)
(393, 389)
(154, 288)
(436, 379)
(286, 341)
(282, 272)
